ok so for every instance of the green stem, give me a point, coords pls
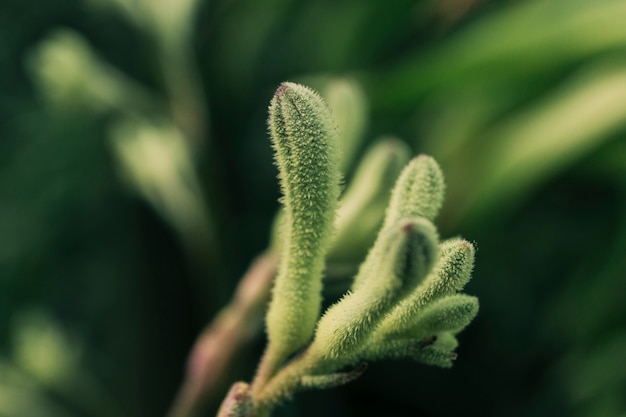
(282, 386)
(215, 350)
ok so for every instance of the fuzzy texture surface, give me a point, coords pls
(304, 140)
(452, 271)
(419, 191)
(400, 258)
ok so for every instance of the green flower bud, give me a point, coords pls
(453, 271)
(446, 341)
(449, 314)
(303, 137)
(400, 258)
(418, 192)
(363, 205)
(433, 356)
(435, 350)
(332, 380)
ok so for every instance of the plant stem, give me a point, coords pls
(281, 386)
(216, 347)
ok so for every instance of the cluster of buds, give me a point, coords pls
(404, 300)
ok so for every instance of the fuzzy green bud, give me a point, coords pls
(452, 272)
(333, 379)
(363, 205)
(449, 314)
(438, 350)
(347, 101)
(418, 192)
(401, 257)
(432, 356)
(446, 341)
(303, 137)
(435, 350)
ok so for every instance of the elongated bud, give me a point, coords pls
(303, 136)
(452, 272)
(432, 356)
(418, 192)
(435, 347)
(399, 259)
(363, 205)
(347, 101)
(449, 314)
(332, 380)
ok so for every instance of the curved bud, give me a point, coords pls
(363, 205)
(418, 192)
(440, 346)
(348, 104)
(303, 137)
(332, 380)
(452, 272)
(449, 314)
(400, 258)
(446, 341)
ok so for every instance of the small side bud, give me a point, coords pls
(441, 346)
(449, 314)
(363, 205)
(418, 192)
(332, 380)
(238, 402)
(452, 272)
(399, 259)
(303, 136)
(433, 356)
(446, 341)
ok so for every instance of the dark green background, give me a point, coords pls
(550, 228)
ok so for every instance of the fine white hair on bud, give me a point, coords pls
(450, 274)
(303, 135)
(404, 301)
(401, 257)
(449, 314)
(418, 192)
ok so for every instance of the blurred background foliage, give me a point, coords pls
(136, 185)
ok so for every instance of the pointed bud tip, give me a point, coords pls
(467, 247)
(281, 89)
(422, 160)
(408, 227)
(422, 157)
